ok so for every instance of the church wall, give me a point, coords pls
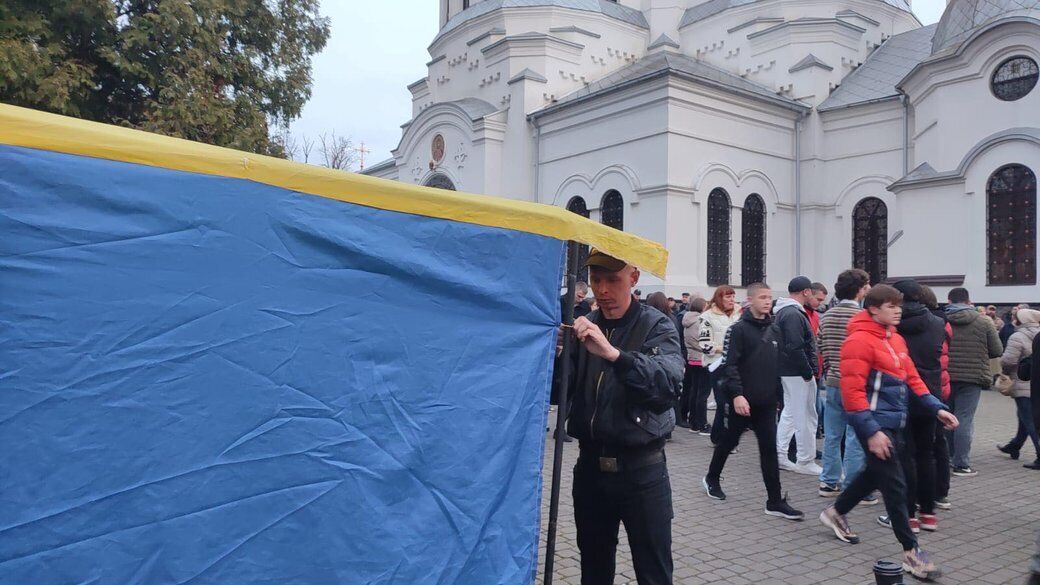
(949, 96)
(946, 228)
(764, 52)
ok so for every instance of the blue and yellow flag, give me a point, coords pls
(217, 367)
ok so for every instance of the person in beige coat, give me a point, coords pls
(1020, 345)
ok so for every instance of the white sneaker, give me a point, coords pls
(809, 468)
(786, 464)
(712, 405)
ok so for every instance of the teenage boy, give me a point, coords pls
(748, 384)
(876, 371)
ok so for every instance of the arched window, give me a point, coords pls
(440, 181)
(577, 205)
(612, 210)
(1011, 226)
(718, 237)
(753, 246)
(870, 238)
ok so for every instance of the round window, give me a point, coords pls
(1015, 78)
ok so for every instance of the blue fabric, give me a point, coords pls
(835, 426)
(209, 380)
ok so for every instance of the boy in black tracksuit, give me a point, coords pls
(748, 382)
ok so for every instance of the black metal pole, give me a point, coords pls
(561, 411)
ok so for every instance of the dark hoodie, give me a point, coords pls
(924, 334)
(749, 355)
(975, 342)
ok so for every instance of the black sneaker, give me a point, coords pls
(829, 491)
(884, 521)
(1033, 465)
(682, 424)
(943, 504)
(705, 431)
(783, 510)
(713, 489)
(1009, 450)
(964, 472)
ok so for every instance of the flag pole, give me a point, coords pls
(561, 411)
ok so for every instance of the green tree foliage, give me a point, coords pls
(223, 72)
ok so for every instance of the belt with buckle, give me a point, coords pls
(612, 461)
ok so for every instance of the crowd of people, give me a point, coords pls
(889, 379)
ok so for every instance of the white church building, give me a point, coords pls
(755, 139)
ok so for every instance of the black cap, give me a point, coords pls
(911, 289)
(798, 284)
(600, 260)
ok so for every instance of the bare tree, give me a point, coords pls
(337, 152)
(304, 148)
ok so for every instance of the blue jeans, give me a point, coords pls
(964, 399)
(836, 425)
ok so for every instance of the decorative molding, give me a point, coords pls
(590, 182)
(574, 29)
(882, 180)
(808, 62)
(931, 280)
(854, 14)
(804, 23)
(528, 74)
(491, 33)
(755, 21)
(925, 176)
(460, 156)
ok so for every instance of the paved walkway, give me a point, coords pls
(987, 538)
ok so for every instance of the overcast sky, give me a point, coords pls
(378, 48)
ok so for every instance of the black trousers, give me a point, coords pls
(698, 387)
(641, 499)
(920, 476)
(942, 462)
(887, 476)
(763, 422)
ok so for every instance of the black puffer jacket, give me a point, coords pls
(627, 403)
(924, 334)
(749, 361)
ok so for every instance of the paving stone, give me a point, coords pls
(986, 539)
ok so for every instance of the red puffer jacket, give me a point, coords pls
(876, 371)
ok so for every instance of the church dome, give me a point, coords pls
(963, 17)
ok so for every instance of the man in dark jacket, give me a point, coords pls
(749, 399)
(975, 342)
(925, 335)
(798, 368)
(628, 369)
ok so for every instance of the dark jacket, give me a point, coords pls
(975, 342)
(749, 360)
(879, 380)
(627, 403)
(925, 335)
(797, 342)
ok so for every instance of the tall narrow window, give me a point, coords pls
(870, 238)
(577, 205)
(718, 237)
(612, 210)
(753, 246)
(1011, 226)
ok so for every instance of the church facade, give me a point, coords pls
(755, 139)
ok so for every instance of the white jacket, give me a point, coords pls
(713, 326)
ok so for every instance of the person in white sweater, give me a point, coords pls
(714, 322)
